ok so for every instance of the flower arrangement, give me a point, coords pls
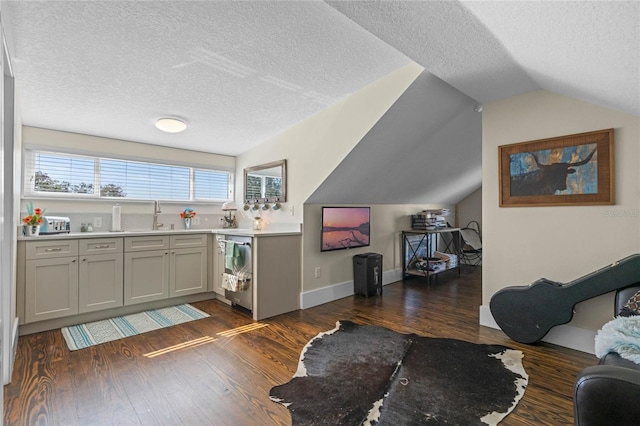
(188, 213)
(34, 216)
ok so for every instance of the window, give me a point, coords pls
(263, 186)
(52, 173)
(254, 187)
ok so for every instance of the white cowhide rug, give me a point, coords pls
(364, 374)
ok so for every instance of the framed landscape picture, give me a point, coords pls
(567, 170)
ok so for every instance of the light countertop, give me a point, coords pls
(134, 233)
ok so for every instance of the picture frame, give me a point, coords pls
(571, 170)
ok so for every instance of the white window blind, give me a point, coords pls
(48, 173)
(62, 173)
(211, 184)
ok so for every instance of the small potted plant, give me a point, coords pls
(186, 216)
(32, 221)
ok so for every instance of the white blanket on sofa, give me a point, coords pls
(620, 335)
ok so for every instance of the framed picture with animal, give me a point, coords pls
(572, 170)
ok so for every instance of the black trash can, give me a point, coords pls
(367, 274)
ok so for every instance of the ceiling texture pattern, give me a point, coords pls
(241, 72)
(238, 72)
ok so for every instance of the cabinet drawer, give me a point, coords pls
(51, 249)
(188, 240)
(100, 246)
(151, 242)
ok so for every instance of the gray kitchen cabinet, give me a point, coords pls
(188, 240)
(101, 270)
(188, 269)
(51, 280)
(176, 267)
(146, 272)
(275, 273)
(63, 281)
(188, 264)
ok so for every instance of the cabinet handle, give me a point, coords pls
(84, 260)
(73, 260)
(166, 252)
(54, 249)
(102, 246)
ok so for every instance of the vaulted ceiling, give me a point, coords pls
(240, 72)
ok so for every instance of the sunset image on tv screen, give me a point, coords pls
(345, 227)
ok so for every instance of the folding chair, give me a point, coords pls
(471, 253)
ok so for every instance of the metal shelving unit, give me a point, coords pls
(418, 246)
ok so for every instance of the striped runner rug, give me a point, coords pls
(93, 333)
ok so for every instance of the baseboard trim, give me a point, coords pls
(320, 296)
(568, 336)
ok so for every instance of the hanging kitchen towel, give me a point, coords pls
(235, 282)
(230, 282)
(233, 258)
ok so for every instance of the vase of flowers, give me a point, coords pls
(186, 216)
(32, 221)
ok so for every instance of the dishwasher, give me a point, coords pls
(243, 297)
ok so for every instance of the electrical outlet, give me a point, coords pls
(291, 210)
(97, 222)
(317, 272)
(196, 220)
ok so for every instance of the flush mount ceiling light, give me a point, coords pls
(171, 125)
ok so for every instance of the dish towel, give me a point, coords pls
(233, 256)
(235, 282)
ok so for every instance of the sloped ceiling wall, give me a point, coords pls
(426, 149)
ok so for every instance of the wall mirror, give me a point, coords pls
(266, 182)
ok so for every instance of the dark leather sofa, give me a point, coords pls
(609, 393)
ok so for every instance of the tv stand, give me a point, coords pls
(418, 246)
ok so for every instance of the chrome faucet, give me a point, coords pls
(156, 210)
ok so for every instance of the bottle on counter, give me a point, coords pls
(90, 227)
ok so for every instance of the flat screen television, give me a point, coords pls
(345, 228)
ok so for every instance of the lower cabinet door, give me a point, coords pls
(51, 288)
(146, 276)
(188, 271)
(100, 285)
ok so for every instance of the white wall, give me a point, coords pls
(314, 147)
(522, 244)
(470, 209)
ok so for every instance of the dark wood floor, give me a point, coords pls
(227, 364)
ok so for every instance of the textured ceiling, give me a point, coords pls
(238, 72)
(241, 72)
(489, 50)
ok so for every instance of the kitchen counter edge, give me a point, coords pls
(141, 233)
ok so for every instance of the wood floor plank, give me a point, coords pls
(229, 362)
